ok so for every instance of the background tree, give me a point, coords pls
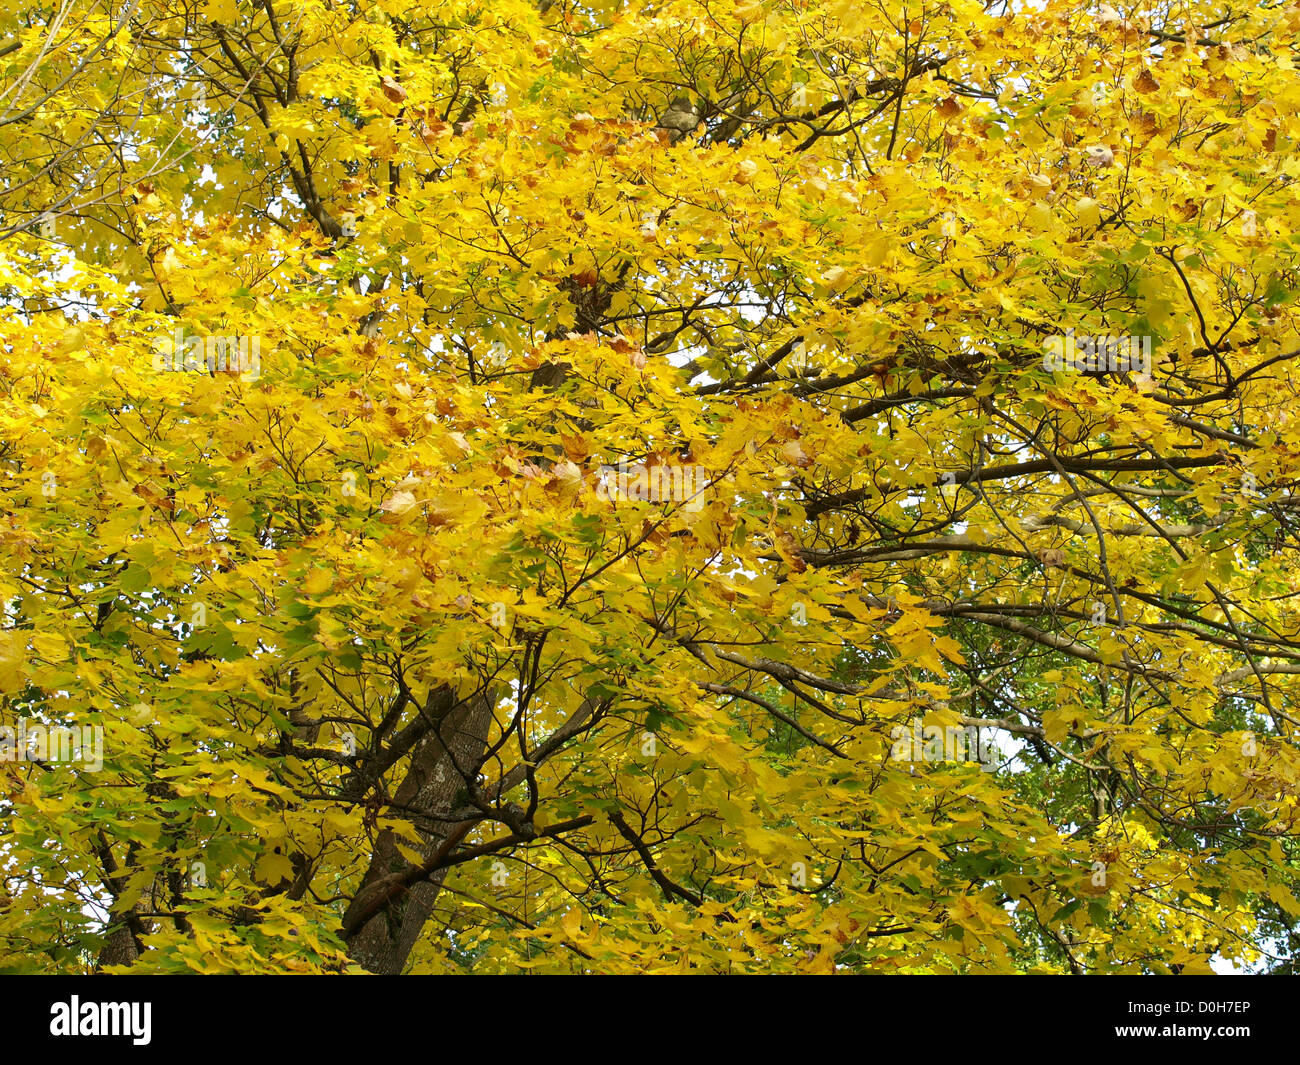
(390, 678)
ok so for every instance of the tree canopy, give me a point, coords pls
(612, 487)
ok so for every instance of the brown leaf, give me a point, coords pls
(392, 89)
(1099, 155)
(1146, 82)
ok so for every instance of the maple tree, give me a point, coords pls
(506, 477)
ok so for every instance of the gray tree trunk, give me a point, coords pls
(431, 786)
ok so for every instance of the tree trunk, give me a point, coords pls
(118, 949)
(430, 786)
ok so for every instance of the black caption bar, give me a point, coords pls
(164, 1015)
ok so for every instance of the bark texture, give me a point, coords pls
(442, 760)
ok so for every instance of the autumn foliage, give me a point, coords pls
(525, 485)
